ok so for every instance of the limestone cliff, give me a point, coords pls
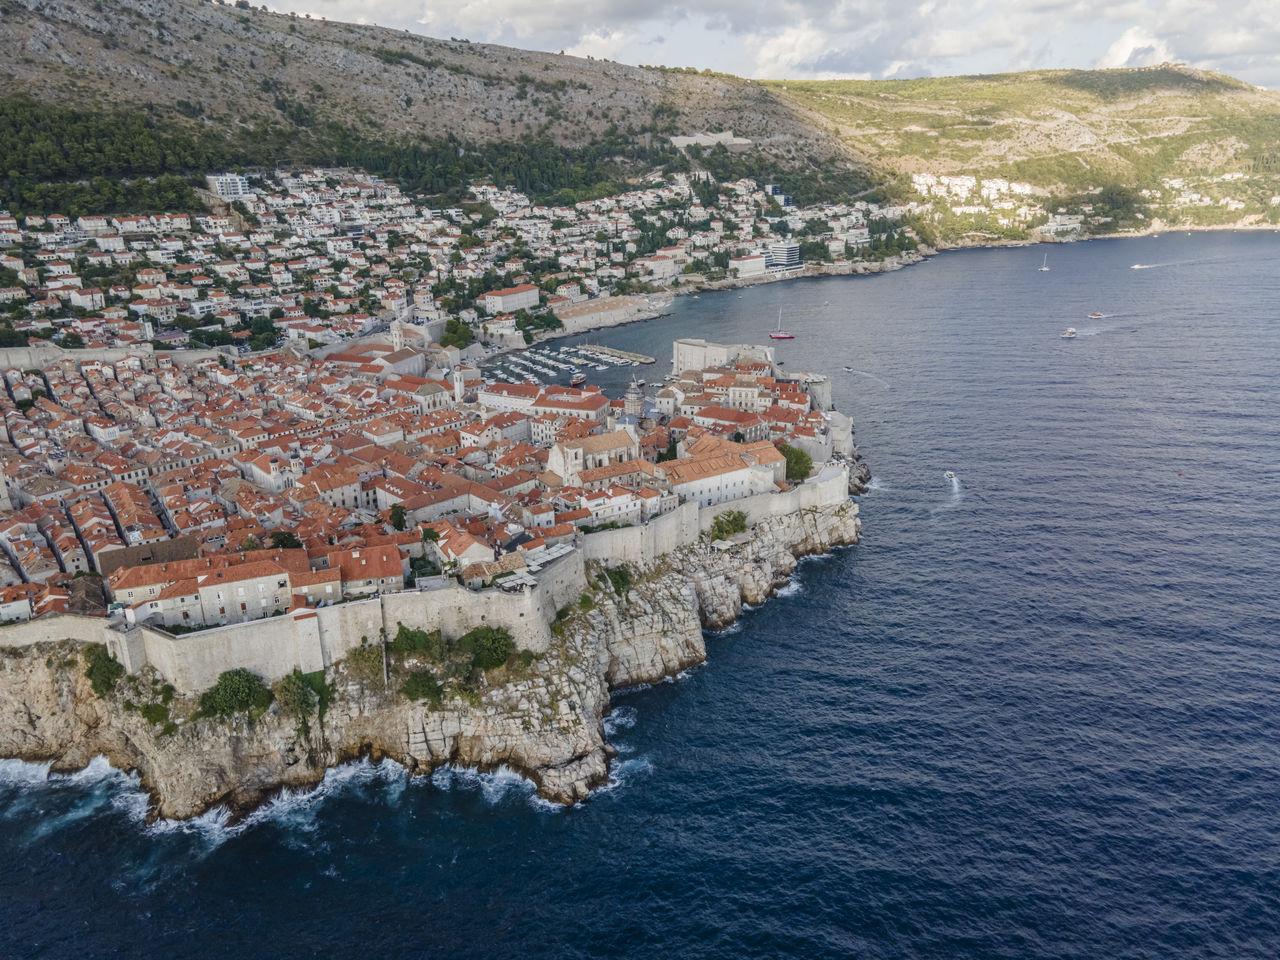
(544, 719)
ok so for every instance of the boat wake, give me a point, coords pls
(871, 376)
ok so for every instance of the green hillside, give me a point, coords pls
(1065, 130)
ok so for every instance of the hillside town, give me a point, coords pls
(323, 256)
(189, 491)
(281, 399)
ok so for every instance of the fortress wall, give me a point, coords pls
(830, 487)
(682, 526)
(312, 639)
(644, 544)
(54, 626)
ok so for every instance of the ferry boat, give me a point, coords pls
(578, 379)
(781, 334)
(1069, 333)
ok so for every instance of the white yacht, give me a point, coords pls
(1069, 333)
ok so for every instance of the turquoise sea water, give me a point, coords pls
(1033, 714)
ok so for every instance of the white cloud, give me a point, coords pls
(1136, 48)
(822, 38)
(600, 45)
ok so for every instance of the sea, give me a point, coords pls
(1035, 713)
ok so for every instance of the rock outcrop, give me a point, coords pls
(544, 719)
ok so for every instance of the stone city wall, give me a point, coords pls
(313, 638)
(645, 543)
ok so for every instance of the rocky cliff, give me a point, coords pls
(544, 719)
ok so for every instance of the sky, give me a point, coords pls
(863, 39)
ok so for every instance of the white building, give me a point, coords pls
(229, 186)
(522, 297)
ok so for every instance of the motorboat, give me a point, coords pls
(1095, 316)
(949, 475)
(1069, 333)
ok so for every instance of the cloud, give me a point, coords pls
(823, 38)
(1136, 48)
(602, 46)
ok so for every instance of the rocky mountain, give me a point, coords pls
(238, 68)
(284, 88)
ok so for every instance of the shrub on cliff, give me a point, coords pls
(422, 686)
(103, 670)
(489, 646)
(295, 695)
(617, 577)
(236, 691)
(728, 523)
(365, 663)
(419, 641)
(799, 463)
(156, 713)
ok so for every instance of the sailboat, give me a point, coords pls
(781, 334)
(1044, 266)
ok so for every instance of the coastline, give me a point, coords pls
(848, 268)
(545, 723)
(844, 268)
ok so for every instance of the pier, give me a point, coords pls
(622, 354)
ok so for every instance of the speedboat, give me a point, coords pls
(949, 475)
(1069, 333)
(1095, 316)
(848, 369)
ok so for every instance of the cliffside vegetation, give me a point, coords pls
(432, 665)
(103, 670)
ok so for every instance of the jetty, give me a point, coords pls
(622, 354)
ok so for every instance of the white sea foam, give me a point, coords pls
(877, 484)
(293, 807)
(622, 718)
(623, 772)
(20, 772)
(95, 771)
(495, 787)
(793, 587)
